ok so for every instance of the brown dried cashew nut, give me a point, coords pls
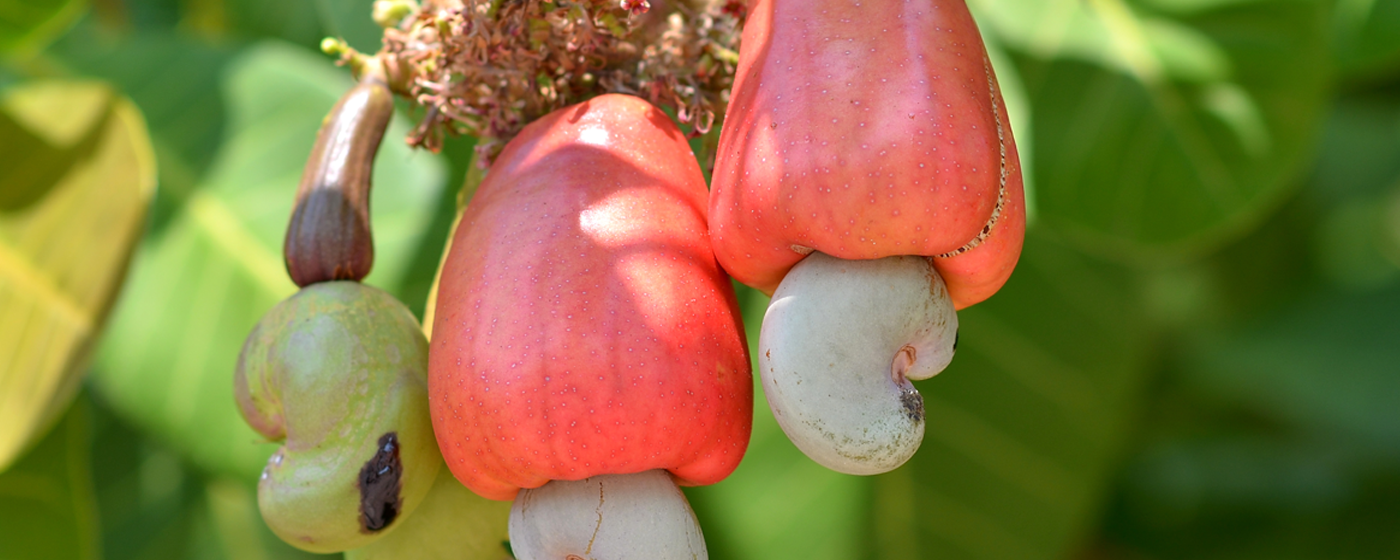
(328, 237)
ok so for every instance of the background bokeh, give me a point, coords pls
(1197, 357)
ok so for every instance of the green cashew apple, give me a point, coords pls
(453, 522)
(339, 371)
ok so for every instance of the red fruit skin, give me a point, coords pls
(583, 326)
(865, 130)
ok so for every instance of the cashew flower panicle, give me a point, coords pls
(488, 68)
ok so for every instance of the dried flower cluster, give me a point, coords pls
(489, 67)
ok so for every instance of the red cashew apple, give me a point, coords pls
(863, 133)
(583, 328)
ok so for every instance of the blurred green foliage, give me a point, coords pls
(74, 207)
(1198, 356)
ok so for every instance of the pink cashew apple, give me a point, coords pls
(861, 133)
(583, 328)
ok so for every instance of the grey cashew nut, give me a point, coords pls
(840, 343)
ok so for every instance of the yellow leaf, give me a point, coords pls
(63, 255)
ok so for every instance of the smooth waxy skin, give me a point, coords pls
(640, 516)
(333, 370)
(866, 129)
(328, 237)
(836, 357)
(583, 326)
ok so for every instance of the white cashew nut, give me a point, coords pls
(840, 343)
(642, 516)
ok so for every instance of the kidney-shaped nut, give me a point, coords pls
(339, 371)
(840, 343)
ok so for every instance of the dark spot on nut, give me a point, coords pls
(956, 335)
(913, 403)
(379, 486)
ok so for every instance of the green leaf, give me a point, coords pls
(1323, 359)
(27, 25)
(1343, 227)
(306, 22)
(200, 285)
(174, 79)
(74, 208)
(1358, 243)
(1360, 149)
(155, 506)
(1273, 433)
(353, 21)
(47, 507)
(1256, 495)
(148, 498)
(452, 522)
(1356, 187)
(1164, 130)
(303, 22)
(1366, 37)
(1273, 439)
(1024, 427)
(41, 158)
(1329, 361)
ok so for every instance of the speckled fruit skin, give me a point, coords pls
(866, 129)
(583, 326)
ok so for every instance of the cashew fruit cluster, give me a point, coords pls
(588, 356)
(338, 371)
